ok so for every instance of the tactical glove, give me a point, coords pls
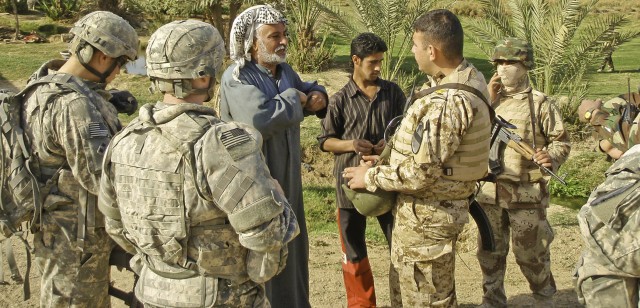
(124, 101)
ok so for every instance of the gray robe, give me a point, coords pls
(272, 106)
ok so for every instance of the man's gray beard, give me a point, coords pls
(269, 58)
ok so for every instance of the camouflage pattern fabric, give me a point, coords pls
(610, 127)
(514, 49)
(607, 274)
(218, 222)
(515, 204)
(73, 130)
(531, 236)
(430, 211)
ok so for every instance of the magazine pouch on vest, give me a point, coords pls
(160, 291)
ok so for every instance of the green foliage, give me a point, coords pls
(58, 9)
(7, 7)
(389, 19)
(306, 52)
(584, 172)
(565, 44)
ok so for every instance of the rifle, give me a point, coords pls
(629, 113)
(514, 141)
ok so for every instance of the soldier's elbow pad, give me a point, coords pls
(262, 266)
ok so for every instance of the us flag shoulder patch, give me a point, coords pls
(234, 137)
(97, 130)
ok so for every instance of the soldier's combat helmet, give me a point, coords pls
(106, 32)
(514, 49)
(181, 51)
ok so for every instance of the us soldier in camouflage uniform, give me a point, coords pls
(516, 203)
(603, 279)
(69, 134)
(438, 152)
(615, 136)
(189, 195)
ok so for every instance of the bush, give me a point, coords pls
(585, 172)
(58, 9)
(311, 59)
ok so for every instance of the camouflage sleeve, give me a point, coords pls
(557, 145)
(83, 134)
(108, 205)
(232, 172)
(444, 121)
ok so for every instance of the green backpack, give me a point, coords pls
(610, 221)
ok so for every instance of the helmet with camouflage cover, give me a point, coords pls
(106, 32)
(368, 203)
(181, 51)
(514, 49)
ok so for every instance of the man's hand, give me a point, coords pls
(494, 87)
(303, 98)
(355, 176)
(543, 158)
(124, 101)
(379, 147)
(369, 160)
(588, 105)
(316, 101)
(362, 147)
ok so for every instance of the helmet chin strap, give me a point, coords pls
(103, 76)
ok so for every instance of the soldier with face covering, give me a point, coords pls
(516, 203)
(189, 195)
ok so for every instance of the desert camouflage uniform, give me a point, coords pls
(604, 279)
(611, 129)
(217, 225)
(71, 131)
(518, 200)
(431, 209)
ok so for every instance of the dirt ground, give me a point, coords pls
(326, 277)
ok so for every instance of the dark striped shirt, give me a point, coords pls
(351, 115)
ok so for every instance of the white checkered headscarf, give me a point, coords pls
(243, 32)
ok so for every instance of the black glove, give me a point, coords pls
(124, 101)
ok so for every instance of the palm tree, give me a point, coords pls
(564, 41)
(389, 19)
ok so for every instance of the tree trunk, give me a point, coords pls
(15, 13)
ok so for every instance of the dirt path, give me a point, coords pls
(326, 278)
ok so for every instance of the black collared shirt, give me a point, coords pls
(351, 115)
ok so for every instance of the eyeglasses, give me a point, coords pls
(122, 61)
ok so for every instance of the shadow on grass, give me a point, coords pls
(6, 84)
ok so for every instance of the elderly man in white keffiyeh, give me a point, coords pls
(262, 90)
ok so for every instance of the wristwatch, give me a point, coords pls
(589, 114)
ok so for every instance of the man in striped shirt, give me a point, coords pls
(354, 126)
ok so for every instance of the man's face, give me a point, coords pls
(369, 67)
(512, 73)
(271, 44)
(421, 52)
(120, 63)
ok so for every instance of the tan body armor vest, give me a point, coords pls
(178, 234)
(469, 162)
(517, 111)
